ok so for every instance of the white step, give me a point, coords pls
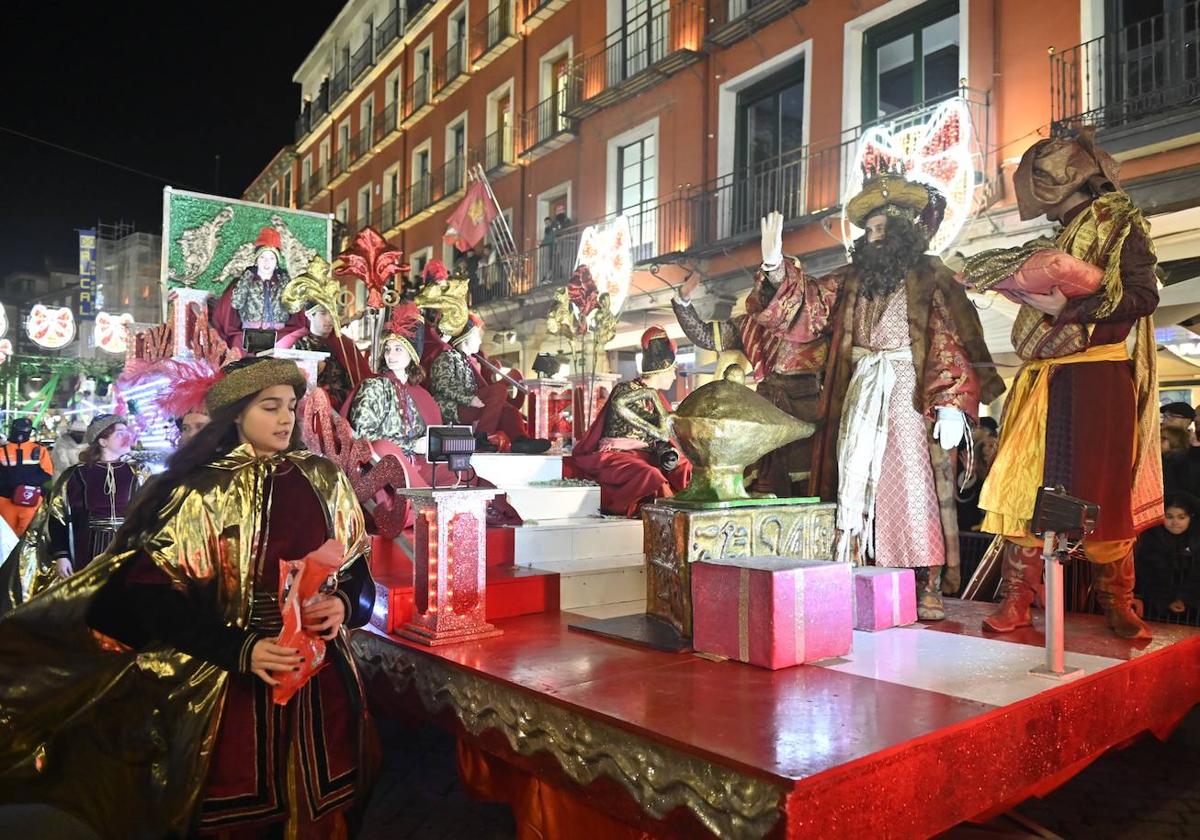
(635, 607)
(576, 539)
(537, 504)
(599, 581)
(510, 470)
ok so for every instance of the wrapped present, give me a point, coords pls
(884, 598)
(774, 612)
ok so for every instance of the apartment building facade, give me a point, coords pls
(692, 118)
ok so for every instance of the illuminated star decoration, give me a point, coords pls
(373, 261)
(936, 152)
(607, 254)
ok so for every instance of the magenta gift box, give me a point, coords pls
(774, 612)
(884, 598)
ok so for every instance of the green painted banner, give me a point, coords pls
(208, 240)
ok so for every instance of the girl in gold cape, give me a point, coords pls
(134, 694)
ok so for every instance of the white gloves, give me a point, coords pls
(950, 427)
(772, 240)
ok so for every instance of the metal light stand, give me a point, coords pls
(1054, 555)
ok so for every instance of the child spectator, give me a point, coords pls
(1168, 571)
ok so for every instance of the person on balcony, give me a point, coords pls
(466, 395)
(628, 449)
(784, 333)
(253, 301)
(1084, 413)
(345, 369)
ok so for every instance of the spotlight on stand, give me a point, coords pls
(545, 365)
(450, 445)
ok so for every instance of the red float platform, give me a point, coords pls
(917, 730)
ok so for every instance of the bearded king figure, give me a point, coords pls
(908, 370)
(1083, 413)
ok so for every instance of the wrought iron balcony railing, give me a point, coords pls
(1129, 75)
(432, 188)
(386, 122)
(450, 65)
(548, 119)
(362, 59)
(493, 29)
(360, 144)
(497, 149)
(731, 20)
(390, 29)
(339, 84)
(416, 96)
(659, 41)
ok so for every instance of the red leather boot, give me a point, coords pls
(1114, 592)
(1020, 582)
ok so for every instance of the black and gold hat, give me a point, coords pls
(658, 350)
(100, 425)
(248, 376)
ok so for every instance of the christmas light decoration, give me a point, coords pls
(936, 151)
(50, 328)
(111, 333)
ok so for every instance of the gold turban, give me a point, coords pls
(1050, 170)
(243, 378)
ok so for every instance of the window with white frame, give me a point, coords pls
(275, 194)
(324, 155)
(456, 154)
(392, 97)
(769, 148)
(287, 188)
(634, 159)
(910, 59)
(343, 212)
(422, 161)
(366, 115)
(343, 142)
(391, 192)
(305, 170)
(364, 206)
(456, 40)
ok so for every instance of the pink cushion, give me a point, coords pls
(1049, 268)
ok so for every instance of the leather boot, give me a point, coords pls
(1114, 593)
(1020, 583)
(929, 593)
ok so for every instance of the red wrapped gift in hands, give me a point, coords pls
(300, 581)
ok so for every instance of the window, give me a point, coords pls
(637, 187)
(1149, 58)
(910, 59)
(456, 155)
(343, 140)
(366, 115)
(275, 194)
(769, 148)
(343, 212)
(306, 169)
(391, 191)
(641, 40)
(287, 188)
(324, 152)
(364, 206)
(421, 161)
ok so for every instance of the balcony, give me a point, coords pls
(433, 191)
(416, 101)
(390, 30)
(450, 69)
(313, 112)
(648, 48)
(385, 125)
(729, 21)
(318, 182)
(1139, 86)
(537, 12)
(360, 147)
(546, 127)
(362, 59)
(498, 151)
(805, 184)
(339, 165)
(339, 85)
(386, 217)
(492, 35)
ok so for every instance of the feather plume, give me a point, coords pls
(406, 320)
(656, 332)
(186, 382)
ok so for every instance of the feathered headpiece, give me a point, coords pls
(435, 272)
(406, 321)
(186, 383)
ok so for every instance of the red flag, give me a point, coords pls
(468, 224)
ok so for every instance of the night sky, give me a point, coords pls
(159, 87)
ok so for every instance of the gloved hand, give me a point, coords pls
(950, 427)
(772, 240)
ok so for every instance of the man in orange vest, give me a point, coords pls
(24, 468)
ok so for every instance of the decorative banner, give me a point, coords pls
(208, 240)
(111, 332)
(607, 254)
(935, 150)
(50, 328)
(87, 274)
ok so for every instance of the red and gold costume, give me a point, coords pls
(126, 691)
(620, 451)
(785, 335)
(1084, 415)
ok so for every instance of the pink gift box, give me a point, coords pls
(774, 612)
(884, 598)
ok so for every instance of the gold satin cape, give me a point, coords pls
(1096, 235)
(123, 739)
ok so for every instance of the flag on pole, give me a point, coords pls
(468, 224)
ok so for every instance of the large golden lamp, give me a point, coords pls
(724, 426)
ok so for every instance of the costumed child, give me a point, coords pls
(88, 502)
(1167, 558)
(628, 449)
(392, 406)
(139, 694)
